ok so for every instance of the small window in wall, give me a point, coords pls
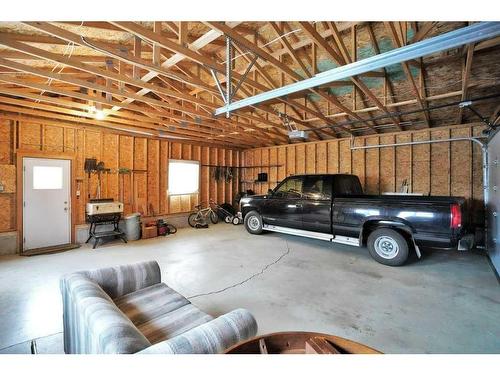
(183, 177)
(47, 178)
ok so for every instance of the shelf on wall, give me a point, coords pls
(260, 182)
(249, 166)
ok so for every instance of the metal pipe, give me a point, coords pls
(244, 76)
(403, 113)
(465, 35)
(217, 82)
(472, 139)
(229, 61)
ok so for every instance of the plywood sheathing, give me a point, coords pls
(7, 176)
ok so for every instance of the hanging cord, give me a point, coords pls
(264, 269)
(270, 42)
(69, 47)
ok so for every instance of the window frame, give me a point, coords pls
(184, 162)
(275, 191)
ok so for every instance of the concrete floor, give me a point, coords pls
(448, 302)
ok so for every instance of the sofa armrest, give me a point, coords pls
(210, 338)
(92, 322)
(121, 280)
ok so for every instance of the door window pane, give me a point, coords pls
(183, 177)
(291, 188)
(318, 187)
(47, 178)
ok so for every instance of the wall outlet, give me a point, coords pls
(1, 188)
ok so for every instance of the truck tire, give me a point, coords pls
(253, 222)
(388, 247)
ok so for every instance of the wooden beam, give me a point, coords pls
(156, 47)
(190, 54)
(102, 101)
(103, 73)
(137, 54)
(278, 64)
(104, 124)
(423, 32)
(183, 33)
(406, 68)
(465, 79)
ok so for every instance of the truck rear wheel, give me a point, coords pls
(388, 247)
(253, 222)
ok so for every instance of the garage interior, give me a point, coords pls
(133, 107)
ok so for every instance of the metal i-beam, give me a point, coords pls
(465, 35)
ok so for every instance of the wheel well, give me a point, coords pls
(369, 227)
(246, 210)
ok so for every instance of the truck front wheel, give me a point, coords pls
(253, 222)
(388, 247)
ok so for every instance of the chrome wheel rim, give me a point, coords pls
(253, 223)
(386, 247)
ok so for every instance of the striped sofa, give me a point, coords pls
(127, 309)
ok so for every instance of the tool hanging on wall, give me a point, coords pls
(92, 166)
(220, 173)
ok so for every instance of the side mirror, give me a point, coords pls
(270, 192)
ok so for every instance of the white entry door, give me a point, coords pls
(46, 202)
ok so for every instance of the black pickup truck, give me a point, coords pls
(333, 207)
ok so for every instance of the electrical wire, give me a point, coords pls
(279, 37)
(71, 47)
(264, 269)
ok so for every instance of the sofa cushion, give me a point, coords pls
(173, 323)
(149, 303)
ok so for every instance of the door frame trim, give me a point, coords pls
(20, 155)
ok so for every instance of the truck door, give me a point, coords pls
(284, 206)
(316, 204)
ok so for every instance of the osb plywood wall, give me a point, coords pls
(451, 168)
(143, 190)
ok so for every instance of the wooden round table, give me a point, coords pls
(300, 343)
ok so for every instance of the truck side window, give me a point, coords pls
(290, 188)
(317, 187)
(347, 185)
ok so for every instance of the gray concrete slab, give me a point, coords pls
(448, 302)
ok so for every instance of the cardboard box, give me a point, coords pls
(149, 232)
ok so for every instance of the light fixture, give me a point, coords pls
(99, 114)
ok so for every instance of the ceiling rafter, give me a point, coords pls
(391, 28)
(59, 71)
(122, 117)
(68, 107)
(208, 62)
(466, 72)
(316, 38)
(88, 98)
(278, 64)
(103, 73)
(53, 30)
(299, 62)
(107, 124)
